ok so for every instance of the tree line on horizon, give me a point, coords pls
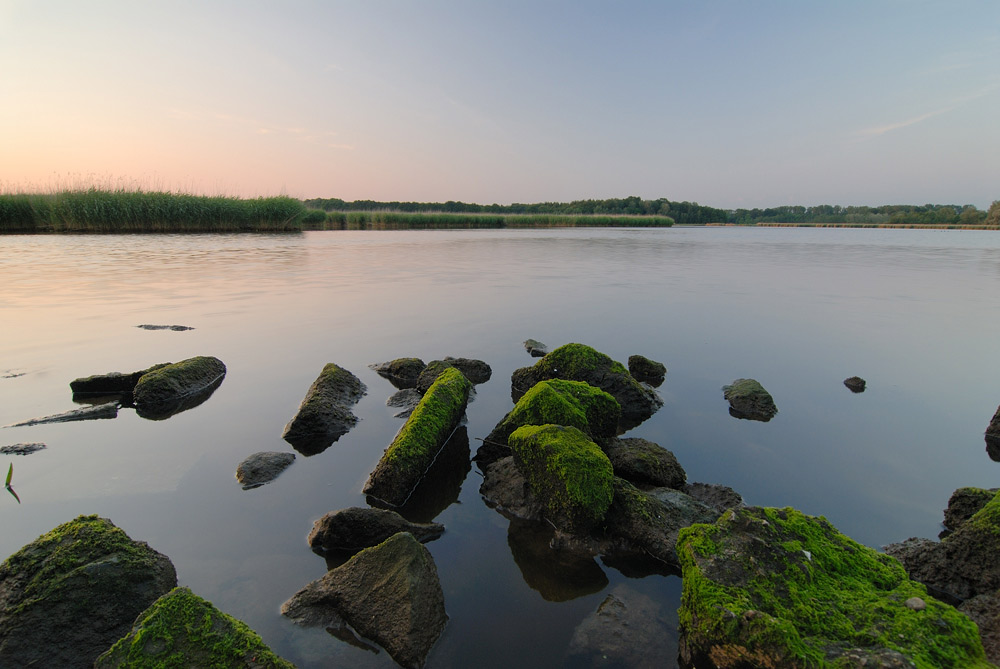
(692, 213)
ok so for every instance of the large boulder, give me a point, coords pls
(181, 629)
(748, 400)
(66, 597)
(389, 593)
(324, 415)
(418, 442)
(176, 387)
(261, 468)
(356, 528)
(558, 402)
(401, 372)
(645, 463)
(578, 362)
(776, 588)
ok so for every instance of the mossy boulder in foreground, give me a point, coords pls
(181, 629)
(418, 442)
(325, 413)
(776, 588)
(66, 597)
(178, 386)
(748, 399)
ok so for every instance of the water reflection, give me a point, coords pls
(165, 410)
(557, 575)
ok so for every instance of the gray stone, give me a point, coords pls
(324, 415)
(175, 328)
(21, 449)
(535, 348)
(401, 372)
(645, 370)
(855, 384)
(96, 412)
(177, 387)
(263, 467)
(357, 528)
(716, 496)
(748, 400)
(476, 371)
(112, 383)
(645, 463)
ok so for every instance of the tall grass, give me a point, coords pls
(394, 220)
(125, 211)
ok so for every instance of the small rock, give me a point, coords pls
(748, 400)
(97, 412)
(406, 399)
(175, 328)
(993, 431)
(476, 371)
(645, 463)
(261, 468)
(401, 372)
(916, 604)
(21, 449)
(855, 384)
(963, 504)
(646, 370)
(535, 348)
(357, 528)
(324, 415)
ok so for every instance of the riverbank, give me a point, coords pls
(898, 226)
(397, 220)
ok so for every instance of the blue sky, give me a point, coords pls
(728, 103)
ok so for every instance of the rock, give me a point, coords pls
(643, 462)
(21, 449)
(324, 415)
(476, 371)
(401, 372)
(993, 432)
(569, 403)
(577, 362)
(356, 528)
(916, 604)
(774, 587)
(175, 328)
(628, 629)
(112, 383)
(406, 399)
(182, 629)
(389, 593)
(718, 497)
(567, 471)
(556, 575)
(420, 439)
(535, 348)
(748, 400)
(963, 504)
(69, 595)
(984, 610)
(177, 387)
(96, 412)
(855, 384)
(505, 488)
(646, 371)
(261, 468)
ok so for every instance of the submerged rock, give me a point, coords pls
(357, 528)
(418, 442)
(645, 370)
(177, 387)
(535, 348)
(855, 384)
(401, 372)
(263, 467)
(112, 383)
(406, 399)
(69, 595)
(175, 328)
(96, 412)
(748, 400)
(324, 415)
(476, 371)
(389, 593)
(182, 629)
(645, 463)
(21, 449)
(774, 587)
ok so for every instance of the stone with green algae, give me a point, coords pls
(178, 386)
(325, 413)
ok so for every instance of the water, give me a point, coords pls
(913, 312)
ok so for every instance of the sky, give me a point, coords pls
(728, 103)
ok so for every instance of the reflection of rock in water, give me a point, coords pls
(628, 629)
(558, 576)
(165, 410)
(441, 485)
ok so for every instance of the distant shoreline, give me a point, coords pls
(899, 226)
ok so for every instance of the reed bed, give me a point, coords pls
(393, 220)
(96, 210)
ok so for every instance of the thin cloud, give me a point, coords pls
(256, 127)
(879, 130)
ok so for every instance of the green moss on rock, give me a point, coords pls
(181, 629)
(748, 399)
(177, 386)
(774, 587)
(568, 471)
(325, 413)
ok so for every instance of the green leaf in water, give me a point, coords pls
(10, 473)
(11, 491)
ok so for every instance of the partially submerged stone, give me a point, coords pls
(963, 504)
(420, 439)
(645, 370)
(261, 468)
(324, 415)
(748, 400)
(535, 348)
(406, 399)
(993, 431)
(476, 371)
(174, 328)
(401, 372)
(855, 384)
(357, 528)
(69, 595)
(180, 629)
(389, 593)
(112, 383)
(96, 412)
(22, 449)
(776, 588)
(177, 387)
(645, 463)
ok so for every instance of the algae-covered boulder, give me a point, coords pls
(401, 372)
(356, 528)
(420, 439)
(558, 402)
(567, 471)
(181, 629)
(389, 593)
(748, 400)
(324, 415)
(776, 588)
(176, 387)
(71, 593)
(645, 463)
(578, 362)
(261, 468)
(645, 370)
(475, 371)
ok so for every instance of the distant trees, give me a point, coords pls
(993, 214)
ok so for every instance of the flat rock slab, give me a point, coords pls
(175, 328)
(748, 400)
(177, 387)
(96, 412)
(324, 415)
(261, 468)
(21, 449)
(358, 528)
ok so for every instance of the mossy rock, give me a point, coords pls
(74, 591)
(325, 413)
(963, 504)
(401, 372)
(567, 471)
(178, 386)
(648, 371)
(475, 371)
(181, 629)
(748, 400)
(420, 439)
(645, 463)
(777, 588)
(112, 383)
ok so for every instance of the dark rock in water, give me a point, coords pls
(776, 588)
(577, 362)
(645, 370)
(401, 372)
(535, 348)
(993, 434)
(557, 575)
(984, 610)
(643, 462)
(261, 468)
(112, 383)
(69, 595)
(11, 374)
(175, 328)
(719, 497)
(963, 504)
(855, 384)
(324, 416)
(357, 528)
(476, 371)
(748, 400)
(177, 387)
(182, 629)
(505, 488)
(421, 438)
(406, 399)
(97, 412)
(389, 593)
(628, 629)
(21, 449)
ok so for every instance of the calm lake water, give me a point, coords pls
(913, 312)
